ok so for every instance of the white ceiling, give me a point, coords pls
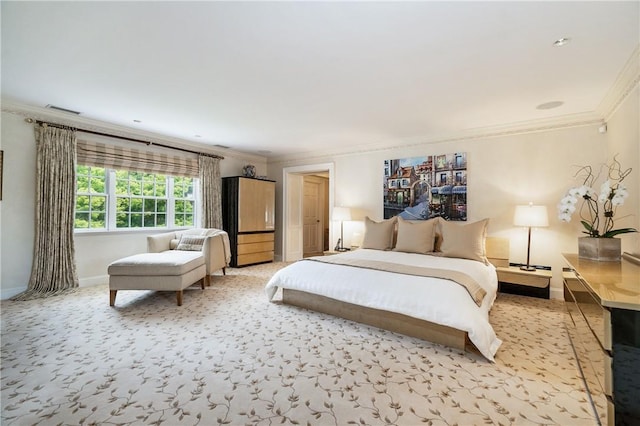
(295, 77)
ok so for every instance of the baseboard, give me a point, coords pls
(8, 293)
(91, 281)
(557, 293)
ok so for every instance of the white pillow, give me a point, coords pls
(416, 237)
(191, 242)
(379, 235)
(464, 241)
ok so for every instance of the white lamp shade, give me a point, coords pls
(341, 213)
(530, 215)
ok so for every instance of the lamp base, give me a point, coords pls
(528, 268)
(342, 249)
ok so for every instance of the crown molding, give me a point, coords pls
(533, 126)
(626, 81)
(65, 119)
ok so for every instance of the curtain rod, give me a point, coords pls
(148, 143)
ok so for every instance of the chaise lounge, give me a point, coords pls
(175, 260)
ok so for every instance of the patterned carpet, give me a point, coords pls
(227, 356)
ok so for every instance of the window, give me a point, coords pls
(185, 203)
(91, 198)
(141, 200)
(110, 199)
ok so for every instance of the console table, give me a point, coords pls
(603, 322)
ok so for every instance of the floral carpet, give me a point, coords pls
(228, 356)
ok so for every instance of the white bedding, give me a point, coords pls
(433, 299)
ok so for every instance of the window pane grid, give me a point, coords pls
(184, 201)
(91, 199)
(142, 200)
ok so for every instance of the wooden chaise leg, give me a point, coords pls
(204, 281)
(224, 271)
(112, 297)
(179, 297)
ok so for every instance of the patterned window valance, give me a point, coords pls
(90, 153)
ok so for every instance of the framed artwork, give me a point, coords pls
(421, 188)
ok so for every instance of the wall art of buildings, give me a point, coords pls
(421, 188)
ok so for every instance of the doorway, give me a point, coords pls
(315, 207)
(307, 201)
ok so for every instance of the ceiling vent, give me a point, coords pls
(57, 108)
(221, 146)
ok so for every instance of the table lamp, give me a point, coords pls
(341, 214)
(530, 216)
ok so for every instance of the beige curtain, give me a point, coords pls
(210, 191)
(53, 270)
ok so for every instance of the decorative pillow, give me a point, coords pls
(379, 235)
(464, 241)
(415, 237)
(191, 242)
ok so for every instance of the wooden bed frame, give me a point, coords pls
(498, 255)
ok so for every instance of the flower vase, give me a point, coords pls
(600, 249)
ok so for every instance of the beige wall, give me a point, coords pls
(503, 172)
(623, 140)
(94, 251)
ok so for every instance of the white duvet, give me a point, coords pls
(433, 299)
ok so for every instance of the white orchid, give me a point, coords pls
(612, 194)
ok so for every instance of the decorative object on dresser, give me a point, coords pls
(341, 214)
(603, 322)
(249, 171)
(248, 216)
(599, 244)
(530, 216)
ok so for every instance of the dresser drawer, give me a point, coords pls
(597, 317)
(255, 238)
(248, 259)
(255, 247)
(594, 361)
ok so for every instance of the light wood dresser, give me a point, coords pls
(603, 321)
(248, 216)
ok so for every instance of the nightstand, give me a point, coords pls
(512, 279)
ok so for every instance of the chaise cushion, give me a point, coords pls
(157, 264)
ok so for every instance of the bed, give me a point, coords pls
(440, 293)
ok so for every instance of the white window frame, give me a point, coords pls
(110, 186)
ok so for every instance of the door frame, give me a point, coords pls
(286, 220)
(322, 220)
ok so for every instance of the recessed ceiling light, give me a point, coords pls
(197, 136)
(550, 105)
(561, 41)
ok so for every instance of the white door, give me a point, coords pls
(312, 208)
(293, 236)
